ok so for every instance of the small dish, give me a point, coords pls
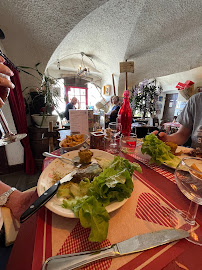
(74, 147)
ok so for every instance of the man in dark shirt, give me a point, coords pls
(115, 109)
(70, 106)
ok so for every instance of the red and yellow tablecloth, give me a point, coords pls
(150, 208)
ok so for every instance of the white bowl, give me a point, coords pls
(43, 121)
(76, 146)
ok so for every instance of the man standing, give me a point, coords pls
(70, 106)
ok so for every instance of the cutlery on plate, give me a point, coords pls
(47, 154)
(135, 244)
(157, 134)
(161, 130)
(46, 196)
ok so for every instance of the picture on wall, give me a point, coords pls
(107, 89)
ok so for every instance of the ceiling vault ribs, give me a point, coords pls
(161, 37)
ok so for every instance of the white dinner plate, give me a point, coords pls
(45, 182)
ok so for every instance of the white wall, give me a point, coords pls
(169, 83)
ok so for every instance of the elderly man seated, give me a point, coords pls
(70, 106)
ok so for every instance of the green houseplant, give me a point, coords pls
(144, 98)
(44, 98)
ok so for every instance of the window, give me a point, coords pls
(93, 94)
(80, 93)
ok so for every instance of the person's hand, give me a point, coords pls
(19, 202)
(162, 135)
(5, 71)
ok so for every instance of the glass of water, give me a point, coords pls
(114, 144)
(188, 176)
(128, 143)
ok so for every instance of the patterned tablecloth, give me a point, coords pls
(150, 208)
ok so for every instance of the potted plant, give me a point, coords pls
(43, 99)
(144, 98)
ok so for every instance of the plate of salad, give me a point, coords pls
(159, 152)
(94, 192)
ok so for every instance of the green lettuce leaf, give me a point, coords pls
(159, 151)
(173, 162)
(113, 184)
(93, 215)
(71, 190)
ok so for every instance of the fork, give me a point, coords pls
(46, 154)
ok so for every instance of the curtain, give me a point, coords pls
(17, 106)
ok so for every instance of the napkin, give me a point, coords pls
(11, 224)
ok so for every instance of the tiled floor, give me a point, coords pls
(22, 182)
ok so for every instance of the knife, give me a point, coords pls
(46, 196)
(157, 134)
(135, 244)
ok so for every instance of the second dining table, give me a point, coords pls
(154, 196)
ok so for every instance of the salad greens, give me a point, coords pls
(159, 151)
(71, 190)
(113, 184)
(92, 214)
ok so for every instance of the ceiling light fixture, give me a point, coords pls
(58, 65)
(82, 70)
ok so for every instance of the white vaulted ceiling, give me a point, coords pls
(162, 37)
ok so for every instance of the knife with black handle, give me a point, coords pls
(46, 196)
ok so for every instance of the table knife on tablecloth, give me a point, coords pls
(46, 196)
(135, 244)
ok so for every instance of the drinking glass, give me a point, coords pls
(188, 176)
(128, 143)
(114, 144)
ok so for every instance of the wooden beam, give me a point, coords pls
(113, 84)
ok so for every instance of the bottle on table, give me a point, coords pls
(125, 115)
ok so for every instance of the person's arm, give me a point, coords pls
(180, 137)
(5, 71)
(18, 201)
(114, 112)
(66, 113)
